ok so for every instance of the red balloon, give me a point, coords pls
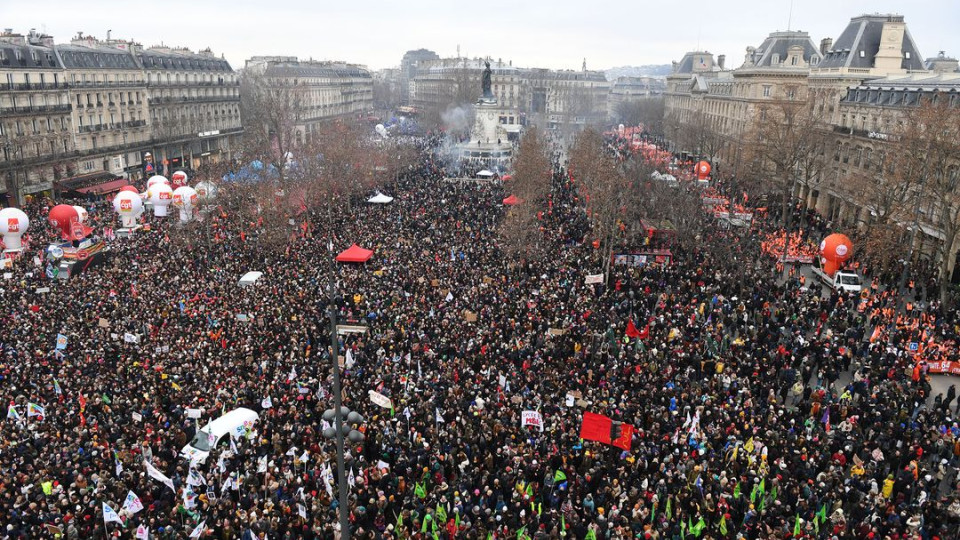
(130, 189)
(63, 216)
(836, 248)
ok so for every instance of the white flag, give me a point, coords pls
(154, 473)
(440, 419)
(233, 446)
(305, 457)
(132, 503)
(262, 465)
(449, 296)
(328, 479)
(195, 479)
(348, 361)
(119, 467)
(198, 532)
(143, 533)
(110, 515)
(293, 374)
(302, 510)
(266, 403)
(351, 480)
(292, 451)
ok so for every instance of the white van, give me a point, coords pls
(237, 423)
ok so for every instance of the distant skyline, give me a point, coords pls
(534, 33)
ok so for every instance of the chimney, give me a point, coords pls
(721, 60)
(825, 45)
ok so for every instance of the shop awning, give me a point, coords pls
(106, 187)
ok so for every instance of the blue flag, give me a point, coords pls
(61, 342)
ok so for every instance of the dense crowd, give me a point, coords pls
(762, 409)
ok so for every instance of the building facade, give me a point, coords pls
(89, 111)
(329, 90)
(630, 89)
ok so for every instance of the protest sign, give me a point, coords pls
(532, 419)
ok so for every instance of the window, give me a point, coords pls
(766, 90)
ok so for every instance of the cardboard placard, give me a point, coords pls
(194, 413)
(469, 316)
(103, 323)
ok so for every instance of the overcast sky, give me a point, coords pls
(555, 34)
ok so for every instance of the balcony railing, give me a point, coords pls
(34, 109)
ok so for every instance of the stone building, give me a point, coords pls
(630, 89)
(84, 113)
(330, 90)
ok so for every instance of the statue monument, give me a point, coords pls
(485, 83)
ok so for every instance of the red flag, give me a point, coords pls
(626, 437)
(645, 333)
(596, 427)
(632, 331)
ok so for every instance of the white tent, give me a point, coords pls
(485, 174)
(250, 278)
(380, 198)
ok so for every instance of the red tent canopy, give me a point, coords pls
(355, 254)
(511, 200)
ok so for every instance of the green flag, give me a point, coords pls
(400, 521)
(736, 491)
(426, 519)
(419, 490)
(753, 494)
(653, 513)
(822, 513)
(723, 525)
(563, 525)
(773, 493)
(763, 486)
(530, 489)
(590, 535)
(522, 532)
(559, 476)
(698, 528)
(796, 527)
(457, 517)
(669, 508)
(441, 513)
(106, 399)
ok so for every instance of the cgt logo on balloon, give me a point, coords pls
(126, 206)
(13, 225)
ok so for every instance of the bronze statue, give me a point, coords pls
(486, 82)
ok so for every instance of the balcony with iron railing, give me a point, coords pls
(35, 109)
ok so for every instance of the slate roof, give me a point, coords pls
(779, 44)
(863, 34)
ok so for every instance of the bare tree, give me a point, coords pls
(271, 110)
(520, 229)
(928, 156)
(646, 111)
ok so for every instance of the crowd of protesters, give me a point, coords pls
(760, 410)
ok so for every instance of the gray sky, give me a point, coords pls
(554, 34)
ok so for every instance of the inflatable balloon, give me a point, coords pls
(13, 223)
(185, 199)
(836, 248)
(829, 267)
(703, 170)
(131, 189)
(81, 214)
(178, 179)
(129, 205)
(382, 131)
(161, 196)
(206, 191)
(157, 179)
(63, 217)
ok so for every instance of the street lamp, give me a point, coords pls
(342, 417)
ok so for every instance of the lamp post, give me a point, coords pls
(341, 416)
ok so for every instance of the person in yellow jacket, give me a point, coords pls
(887, 487)
(858, 470)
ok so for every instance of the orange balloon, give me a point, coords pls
(836, 248)
(703, 170)
(829, 267)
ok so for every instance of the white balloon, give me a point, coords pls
(157, 179)
(161, 196)
(13, 223)
(81, 214)
(206, 191)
